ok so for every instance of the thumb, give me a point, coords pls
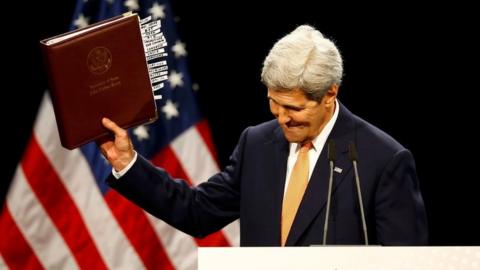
(112, 126)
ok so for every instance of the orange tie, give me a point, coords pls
(296, 188)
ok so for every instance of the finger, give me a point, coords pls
(104, 142)
(109, 124)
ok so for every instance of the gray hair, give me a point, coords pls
(303, 59)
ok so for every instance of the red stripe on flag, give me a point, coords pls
(168, 160)
(216, 239)
(54, 197)
(204, 131)
(15, 250)
(139, 231)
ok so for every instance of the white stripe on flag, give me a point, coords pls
(3, 266)
(75, 173)
(180, 247)
(194, 156)
(36, 226)
(232, 232)
(199, 165)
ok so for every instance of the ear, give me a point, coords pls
(331, 95)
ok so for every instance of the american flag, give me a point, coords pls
(59, 213)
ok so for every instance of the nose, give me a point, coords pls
(282, 116)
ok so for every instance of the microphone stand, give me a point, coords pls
(354, 157)
(331, 159)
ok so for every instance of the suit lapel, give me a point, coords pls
(281, 150)
(315, 197)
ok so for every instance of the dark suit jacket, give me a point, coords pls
(252, 186)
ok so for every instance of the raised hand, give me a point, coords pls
(118, 150)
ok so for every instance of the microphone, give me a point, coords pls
(331, 160)
(352, 153)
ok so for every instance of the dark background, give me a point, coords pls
(410, 69)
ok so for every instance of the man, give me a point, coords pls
(277, 180)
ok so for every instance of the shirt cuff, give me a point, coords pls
(121, 173)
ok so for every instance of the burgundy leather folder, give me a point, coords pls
(98, 71)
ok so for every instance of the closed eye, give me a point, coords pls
(293, 108)
(287, 106)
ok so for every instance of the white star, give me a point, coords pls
(179, 49)
(141, 132)
(195, 87)
(132, 5)
(157, 11)
(170, 109)
(81, 21)
(175, 79)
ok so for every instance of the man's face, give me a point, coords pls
(301, 119)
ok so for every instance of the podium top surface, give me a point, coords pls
(340, 258)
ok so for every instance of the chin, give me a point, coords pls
(293, 138)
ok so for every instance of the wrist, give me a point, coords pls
(124, 169)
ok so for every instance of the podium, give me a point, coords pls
(340, 258)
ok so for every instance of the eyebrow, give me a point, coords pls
(288, 106)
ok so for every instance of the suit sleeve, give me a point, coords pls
(399, 209)
(197, 211)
